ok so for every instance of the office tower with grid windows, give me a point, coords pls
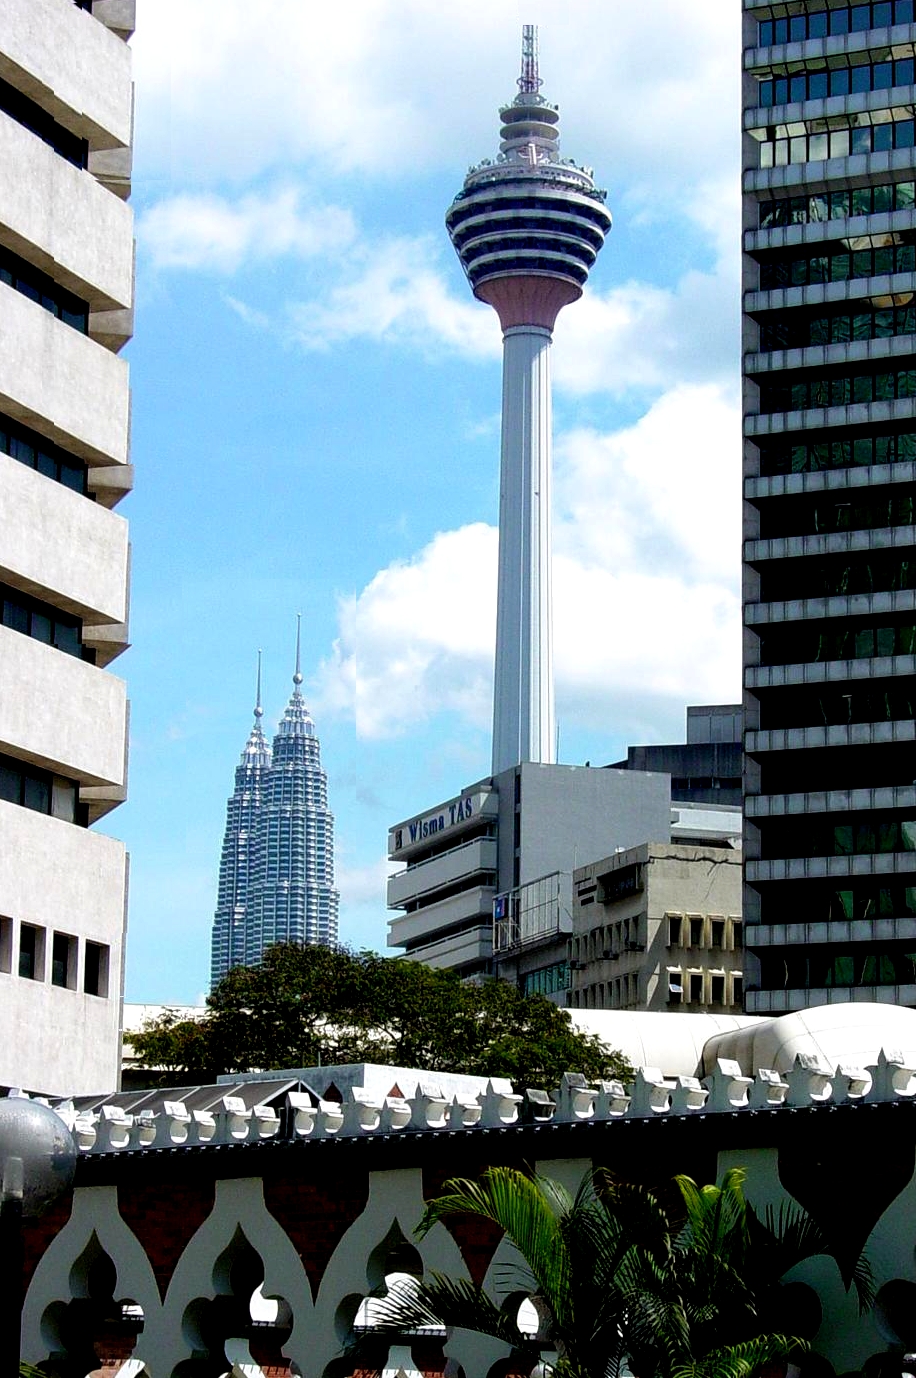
(276, 881)
(527, 228)
(66, 292)
(829, 348)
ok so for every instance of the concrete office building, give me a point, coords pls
(66, 292)
(829, 226)
(707, 768)
(658, 927)
(488, 880)
(541, 943)
(500, 835)
(527, 228)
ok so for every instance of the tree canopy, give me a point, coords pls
(312, 1006)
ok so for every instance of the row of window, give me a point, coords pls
(826, 515)
(704, 987)
(836, 708)
(32, 788)
(780, 148)
(820, 83)
(30, 959)
(814, 456)
(798, 330)
(836, 390)
(785, 580)
(33, 117)
(796, 28)
(32, 450)
(547, 980)
(837, 267)
(855, 836)
(702, 930)
(805, 644)
(817, 207)
(817, 904)
(845, 967)
(42, 622)
(41, 288)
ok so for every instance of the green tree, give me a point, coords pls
(305, 1006)
(616, 1277)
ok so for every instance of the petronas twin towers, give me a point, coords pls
(276, 875)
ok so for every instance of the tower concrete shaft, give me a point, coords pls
(527, 228)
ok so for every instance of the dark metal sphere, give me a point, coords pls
(38, 1136)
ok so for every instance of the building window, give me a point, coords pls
(675, 927)
(798, 329)
(675, 986)
(844, 19)
(42, 622)
(838, 452)
(95, 969)
(837, 205)
(782, 148)
(63, 961)
(819, 83)
(33, 117)
(6, 945)
(836, 389)
(32, 788)
(717, 988)
(695, 987)
(618, 885)
(548, 980)
(780, 271)
(696, 930)
(31, 952)
(31, 449)
(40, 288)
(717, 932)
(737, 934)
(737, 988)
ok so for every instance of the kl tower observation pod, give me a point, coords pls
(527, 228)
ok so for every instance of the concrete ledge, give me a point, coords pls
(62, 713)
(61, 546)
(59, 218)
(73, 66)
(61, 383)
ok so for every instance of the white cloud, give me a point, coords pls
(647, 610)
(393, 290)
(418, 639)
(363, 884)
(249, 314)
(385, 90)
(202, 230)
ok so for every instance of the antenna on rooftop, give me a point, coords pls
(529, 83)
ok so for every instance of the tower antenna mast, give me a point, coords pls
(529, 83)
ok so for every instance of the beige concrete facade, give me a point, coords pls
(64, 555)
(658, 927)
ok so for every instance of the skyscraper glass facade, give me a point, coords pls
(277, 869)
(829, 343)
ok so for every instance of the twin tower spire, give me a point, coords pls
(276, 877)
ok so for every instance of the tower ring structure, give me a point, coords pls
(527, 229)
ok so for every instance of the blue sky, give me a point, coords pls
(316, 406)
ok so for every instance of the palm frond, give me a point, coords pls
(740, 1360)
(528, 1211)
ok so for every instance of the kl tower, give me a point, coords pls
(527, 228)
